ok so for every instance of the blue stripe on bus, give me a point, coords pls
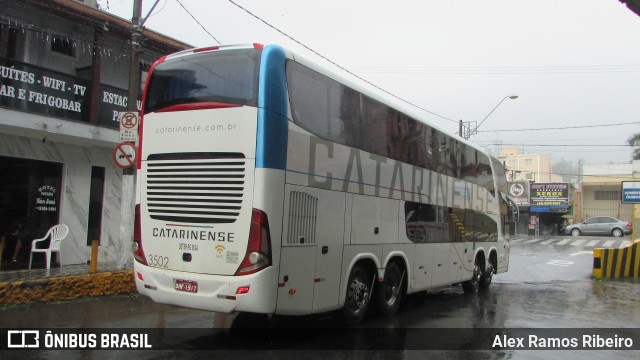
(271, 143)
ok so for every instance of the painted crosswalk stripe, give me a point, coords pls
(547, 242)
(625, 243)
(577, 242)
(592, 243)
(608, 243)
(565, 241)
(564, 263)
(531, 241)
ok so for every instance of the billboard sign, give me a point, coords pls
(549, 194)
(519, 192)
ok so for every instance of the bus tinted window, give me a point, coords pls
(324, 107)
(469, 165)
(334, 112)
(485, 175)
(310, 96)
(426, 223)
(223, 76)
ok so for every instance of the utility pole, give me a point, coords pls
(128, 175)
(136, 38)
(127, 202)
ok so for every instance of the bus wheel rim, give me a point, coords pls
(360, 294)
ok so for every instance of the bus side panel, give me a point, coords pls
(374, 220)
(312, 243)
(329, 255)
(422, 267)
(461, 261)
(297, 268)
(440, 267)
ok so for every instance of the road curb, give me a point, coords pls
(67, 287)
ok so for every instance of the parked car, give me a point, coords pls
(599, 225)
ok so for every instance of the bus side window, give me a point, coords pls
(425, 223)
(336, 122)
(309, 99)
(350, 115)
(336, 129)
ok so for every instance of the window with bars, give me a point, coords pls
(606, 195)
(63, 45)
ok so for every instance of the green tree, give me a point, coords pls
(635, 142)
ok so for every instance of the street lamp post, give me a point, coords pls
(513, 97)
(467, 134)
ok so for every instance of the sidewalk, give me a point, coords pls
(66, 283)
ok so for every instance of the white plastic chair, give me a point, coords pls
(57, 234)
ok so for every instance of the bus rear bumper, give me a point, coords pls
(225, 294)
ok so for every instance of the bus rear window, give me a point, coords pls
(222, 76)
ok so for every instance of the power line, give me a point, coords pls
(564, 128)
(561, 145)
(160, 10)
(504, 70)
(621, 176)
(198, 22)
(339, 66)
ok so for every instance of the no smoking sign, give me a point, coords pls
(124, 155)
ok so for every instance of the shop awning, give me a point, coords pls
(549, 209)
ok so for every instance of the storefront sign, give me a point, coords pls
(33, 89)
(47, 199)
(519, 192)
(630, 192)
(549, 194)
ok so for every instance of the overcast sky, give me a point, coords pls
(574, 64)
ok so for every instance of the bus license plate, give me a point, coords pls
(186, 285)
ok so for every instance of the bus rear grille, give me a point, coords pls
(195, 187)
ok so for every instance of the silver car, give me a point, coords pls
(599, 225)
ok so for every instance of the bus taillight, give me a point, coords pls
(258, 255)
(138, 253)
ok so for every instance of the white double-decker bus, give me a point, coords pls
(269, 184)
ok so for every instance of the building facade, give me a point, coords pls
(527, 167)
(65, 71)
(599, 193)
(531, 179)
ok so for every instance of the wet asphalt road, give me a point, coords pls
(548, 285)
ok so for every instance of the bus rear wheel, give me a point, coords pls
(472, 285)
(487, 276)
(390, 290)
(358, 295)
